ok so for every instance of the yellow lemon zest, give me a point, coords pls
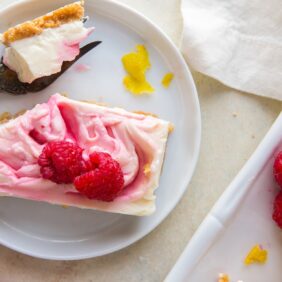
(256, 255)
(167, 79)
(136, 65)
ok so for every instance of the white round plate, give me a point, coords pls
(54, 232)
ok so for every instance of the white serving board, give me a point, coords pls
(241, 218)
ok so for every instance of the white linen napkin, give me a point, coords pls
(238, 42)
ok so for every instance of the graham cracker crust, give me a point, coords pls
(66, 14)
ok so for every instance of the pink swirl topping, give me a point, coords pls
(136, 141)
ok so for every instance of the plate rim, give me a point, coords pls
(197, 137)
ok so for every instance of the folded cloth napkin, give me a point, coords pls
(238, 42)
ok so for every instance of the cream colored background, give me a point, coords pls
(233, 125)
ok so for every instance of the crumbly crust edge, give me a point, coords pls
(66, 14)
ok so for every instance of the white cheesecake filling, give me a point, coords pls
(44, 54)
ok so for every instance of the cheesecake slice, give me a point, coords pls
(38, 48)
(136, 141)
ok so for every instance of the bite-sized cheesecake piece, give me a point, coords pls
(39, 47)
(111, 158)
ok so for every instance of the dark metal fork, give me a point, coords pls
(10, 83)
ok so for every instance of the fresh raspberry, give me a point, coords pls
(277, 169)
(104, 182)
(277, 210)
(61, 162)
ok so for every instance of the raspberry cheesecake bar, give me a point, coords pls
(38, 48)
(84, 155)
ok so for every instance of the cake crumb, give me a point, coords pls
(4, 117)
(222, 277)
(235, 114)
(256, 255)
(170, 127)
(253, 136)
